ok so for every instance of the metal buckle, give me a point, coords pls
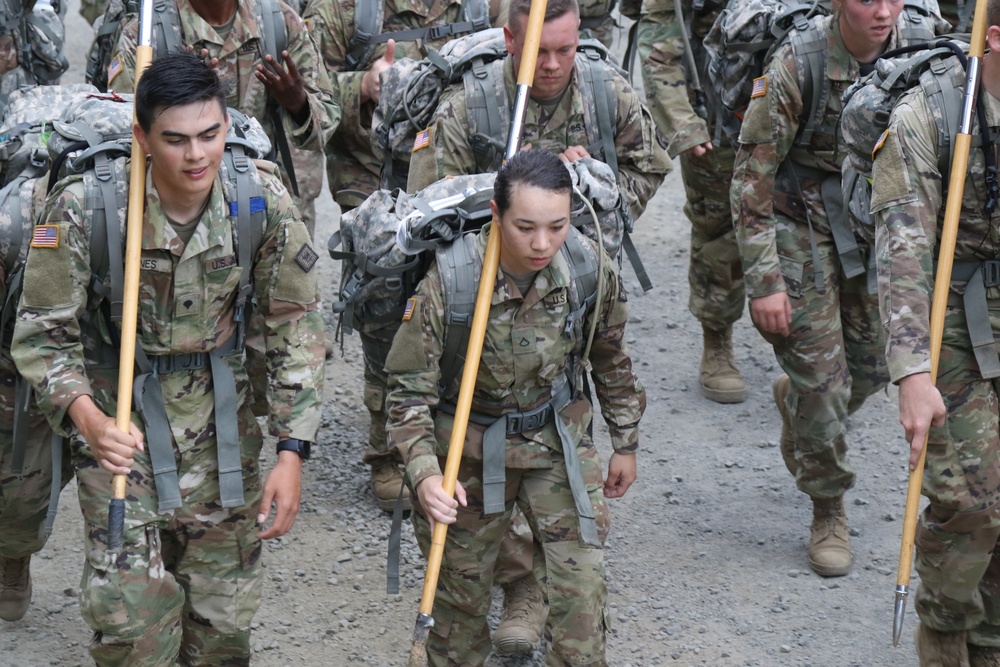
(991, 273)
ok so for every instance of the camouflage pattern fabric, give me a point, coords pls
(832, 354)
(238, 59)
(536, 477)
(195, 572)
(93, 9)
(958, 532)
(351, 165)
(715, 274)
(642, 158)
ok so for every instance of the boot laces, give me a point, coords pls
(14, 572)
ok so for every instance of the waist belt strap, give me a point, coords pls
(851, 262)
(56, 487)
(979, 276)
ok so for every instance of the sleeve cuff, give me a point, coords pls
(625, 440)
(421, 467)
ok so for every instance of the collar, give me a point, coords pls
(552, 278)
(196, 29)
(213, 229)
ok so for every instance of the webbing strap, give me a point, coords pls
(628, 245)
(851, 262)
(818, 275)
(368, 18)
(395, 539)
(461, 272)
(977, 313)
(277, 114)
(164, 18)
(56, 488)
(584, 508)
(227, 432)
(22, 405)
(148, 399)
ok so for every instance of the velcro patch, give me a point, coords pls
(45, 236)
(880, 142)
(422, 140)
(411, 305)
(257, 204)
(759, 87)
(115, 67)
(306, 257)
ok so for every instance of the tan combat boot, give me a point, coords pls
(387, 480)
(721, 381)
(941, 649)
(15, 587)
(780, 388)
(829, 543)
(984, 656)
(523, 618)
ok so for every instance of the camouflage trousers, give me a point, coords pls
(715, 274)
(572, 573)
(958, 532)
(834, 356)
(187, 583)
(24, 495)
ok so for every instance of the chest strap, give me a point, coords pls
(498, 429)
(148, 397)
(977, 277)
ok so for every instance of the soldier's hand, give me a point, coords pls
(371, 85)
(699, 149)
(772, 313)
(621, 474)
(920, 407)
(203, 53)
(283, 487)
(113, 449)
(438, 505)
(285, 85)
(573, 153)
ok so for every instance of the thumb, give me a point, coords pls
(265, 505)
(390, 51)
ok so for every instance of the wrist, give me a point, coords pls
(289, 446)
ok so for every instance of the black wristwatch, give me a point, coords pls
(300, 447)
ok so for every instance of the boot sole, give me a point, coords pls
(513, 645)
(828, 571)
(724, 395)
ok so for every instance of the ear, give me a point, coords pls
(495, 211)
(141, 137)
(993, 38)
(508, 38)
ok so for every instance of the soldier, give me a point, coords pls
(187, 584)
(228, 33)
(550, 465)
(715, 275)
(786, 193)
(956, 540)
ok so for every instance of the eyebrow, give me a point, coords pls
(528, 221)
(172, 133)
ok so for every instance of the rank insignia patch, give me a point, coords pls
(880, 142)
(422, 140)
(306, 257)
(759, 87)
(45, 236)
(411, 305)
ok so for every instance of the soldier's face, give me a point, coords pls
(533, 229)
(868, 23)
(556, 52)
(185, 144)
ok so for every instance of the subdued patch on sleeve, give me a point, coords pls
(409, 347)
(295, 283)
(758, 127)
(53, 264)
(892, 182)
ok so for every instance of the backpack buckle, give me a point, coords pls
(991, 273)
(39, 158)
(241, 163)
(437, 32)
(102, 169)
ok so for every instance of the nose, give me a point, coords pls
(882, 9)
(540, 241)
(194, 151)
(548, 61)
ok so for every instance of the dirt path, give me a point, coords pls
(706, 558)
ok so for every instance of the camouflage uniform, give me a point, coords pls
(715, 275)
(187, 584)
(642, 160)
(833, 354)
(957, 535)
(512, 379)
(238, 60)
(351, 165)
(92, 9)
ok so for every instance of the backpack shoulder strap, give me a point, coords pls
(166, 28)
(273, 27)
(810, 50)
(460, 268)
(488, 109)
(369, 15)
(600, 102)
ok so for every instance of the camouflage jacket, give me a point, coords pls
(331, 22)
(673, 111)
(642, 158)
(908, 199)
(238, 60)
(767, 138)
(186, 305)
(513, 376)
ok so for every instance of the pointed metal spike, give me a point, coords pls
(902, 592)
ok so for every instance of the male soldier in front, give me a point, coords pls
(956, 540)
(228, 34)
(715, 274)
(187, 583)
(553, 122)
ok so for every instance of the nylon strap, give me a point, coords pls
(56, 487)
(395, 539)
(818, 276)
(851, 262)
(977, 314)
(227, 431)
(148, 399)
(22, 410)
(584, 508)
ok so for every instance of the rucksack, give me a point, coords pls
(747, 33)
(387, 244)
(31, 46)
(53, 132)
(369, 18)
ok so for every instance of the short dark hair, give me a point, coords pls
(554, 9)
(992, 13)
(534, 167)
(175, 80)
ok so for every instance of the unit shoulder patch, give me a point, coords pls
(306, 258)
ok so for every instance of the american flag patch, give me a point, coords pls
(422, 140)
(45, 236)
(759, 87)
(115, 68)
(411, 305)
(880, 142)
